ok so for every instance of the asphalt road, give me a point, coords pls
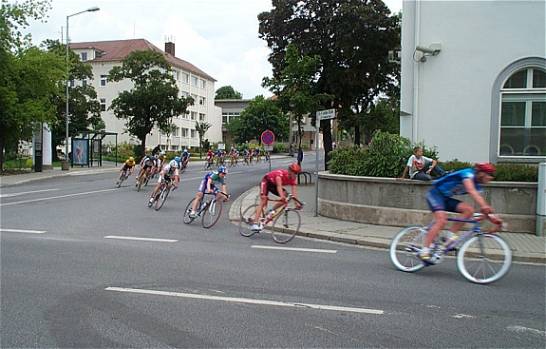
(68, 279)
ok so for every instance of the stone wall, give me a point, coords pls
(401, 202)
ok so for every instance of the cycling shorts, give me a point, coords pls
(438, 202)
(268, 187)
(203, 186)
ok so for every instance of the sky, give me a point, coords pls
(218, 36)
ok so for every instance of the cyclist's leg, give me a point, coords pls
(263, 202)
(465, 211)
(156, 189)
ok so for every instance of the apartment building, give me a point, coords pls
(191, 81)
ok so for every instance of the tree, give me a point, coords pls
(227, 92)
(202, 128)
(153, 100)
(28, 75)
(352, 39)
(295, 86)
(261, 114)
(84, 108)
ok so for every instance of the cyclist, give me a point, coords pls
(209, 158)
(166, 174)
(146, 165)
(127, 167)
(440, 200)
(273, 182)
(208, 186)
(185, 158)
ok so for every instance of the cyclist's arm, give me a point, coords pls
(474, 194)
(209, 185)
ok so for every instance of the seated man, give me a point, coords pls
(422, 168)
(273, 182)
(208, 186)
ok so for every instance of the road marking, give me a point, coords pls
(137, 239)
(25, 192)
(23, 231)
(462, 316)
(247, 300)
(520, 329)
(293, 249)
(55, 197)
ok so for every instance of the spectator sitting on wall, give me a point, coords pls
(422, 168)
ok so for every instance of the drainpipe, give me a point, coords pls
(541, 199)
(416, 67)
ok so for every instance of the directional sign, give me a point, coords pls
(268, 137)
(326, 114)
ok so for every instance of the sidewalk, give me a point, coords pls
(525, 247)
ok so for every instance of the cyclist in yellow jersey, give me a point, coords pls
(128, 166)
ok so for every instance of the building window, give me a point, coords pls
(201, 117)
(202, 83)
(83, 56)
(102, 104)
(194, 81)
(523, 114)
(103, 79)
(192, 133)
(185, 132)
(84, 82)
(193, 115)
(176, 131)
(174, 147)
(202, 100)
(71, 83)
(185, 78)
(228, 117)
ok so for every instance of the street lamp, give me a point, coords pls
(92, 9)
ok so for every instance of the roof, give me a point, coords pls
(117, 50)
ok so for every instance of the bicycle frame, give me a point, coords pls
(281, 209)
(476, 230)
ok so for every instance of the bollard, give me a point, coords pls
(541, 199)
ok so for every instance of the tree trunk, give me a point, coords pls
(143, 146)
(357, 135)
(327, 139)
(200, 147)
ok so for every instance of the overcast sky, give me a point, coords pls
(218, 36)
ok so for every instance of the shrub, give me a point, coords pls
(348, 161)
(517, 173)
(280, 148)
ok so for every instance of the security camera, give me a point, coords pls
(433, 49)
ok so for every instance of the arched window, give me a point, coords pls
(522, 115)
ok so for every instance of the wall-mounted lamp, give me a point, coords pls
(432, 50)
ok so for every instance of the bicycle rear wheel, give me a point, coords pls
(162, 198)
(286, 226)
(404, 248)
(186, 218)
(484, 258)
(246, 221)
(212, 213)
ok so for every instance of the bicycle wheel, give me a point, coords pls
(484, 258)
(286, 226)
(245, 221)
(186, 218)
(162, 198)
(404, 248)
(212, 213)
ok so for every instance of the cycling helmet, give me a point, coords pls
(222, 169)
(294, 167)
(131, 158)
(177, 159)
(486, 167)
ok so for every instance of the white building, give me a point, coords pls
(191, 81)
(473, 78)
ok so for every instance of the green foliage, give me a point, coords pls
(260, 114)
(516, 173)
(348, 161)
(386, 155)
(201, 128)
(280, 147)
(455, 165)
(153, 100)
(228, 92)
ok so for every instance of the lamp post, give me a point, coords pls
(92, 9)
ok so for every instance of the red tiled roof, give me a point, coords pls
(117, 50)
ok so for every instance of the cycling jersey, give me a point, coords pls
(216, 179)
(285, 177)
(171, 168)
(452, 184)
(129, 163)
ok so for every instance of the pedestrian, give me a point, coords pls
(300, 156)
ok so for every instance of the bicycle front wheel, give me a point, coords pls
(212, 213)
(484, 258)
(246, 221)
(162, 198)
(286, 226)
(186, 218)
(404, 248)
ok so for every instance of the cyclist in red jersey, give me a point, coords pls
(273, 182)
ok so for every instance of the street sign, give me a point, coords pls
(326, 114)
(268, 137)
(221, 146)
(268, 147)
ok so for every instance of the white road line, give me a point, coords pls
(9, 195)
(23, 231)
(521, 329)
(137, 238)
(294, 249)
(55, 197)
(247, 300)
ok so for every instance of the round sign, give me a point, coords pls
(268, 137)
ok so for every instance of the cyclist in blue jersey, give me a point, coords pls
(440, 200)
(208, 185)
(185, 158)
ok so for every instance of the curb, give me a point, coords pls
(62, 174)
(373, 242)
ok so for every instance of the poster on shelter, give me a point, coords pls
(80, 151)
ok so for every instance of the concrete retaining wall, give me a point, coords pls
(401, 202)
